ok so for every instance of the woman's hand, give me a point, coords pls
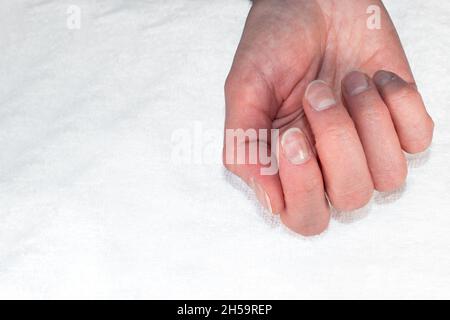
(313, 69)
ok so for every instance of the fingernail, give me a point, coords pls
(355, 83)
(381, 78)
(262, 196)
(320, 96)
(295, 146)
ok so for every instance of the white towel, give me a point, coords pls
(98, 102)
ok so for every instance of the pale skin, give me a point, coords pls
(345, 101)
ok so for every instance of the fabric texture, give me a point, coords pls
(110, 178)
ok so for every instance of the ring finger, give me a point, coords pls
(347, 178)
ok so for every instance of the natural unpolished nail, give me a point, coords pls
(295, 146)
(320, 96)
(262, 195)
(381, 78)
(355, 83)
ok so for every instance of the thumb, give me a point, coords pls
(248, 139)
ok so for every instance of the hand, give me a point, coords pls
(342, 132)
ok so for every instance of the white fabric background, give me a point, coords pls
(94, 205)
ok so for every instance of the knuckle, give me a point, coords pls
(242, 86)
(374, 115)
(307, 226)
(416, 146)
(305, 189)
(391, 179)
(431, 126)
(311, 229)
(404, 94)
(427, 135)
(311, 185)
(356, 197)
(422, 138)
(230, 83)
(340, 133)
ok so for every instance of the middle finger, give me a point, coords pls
(344, 166)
